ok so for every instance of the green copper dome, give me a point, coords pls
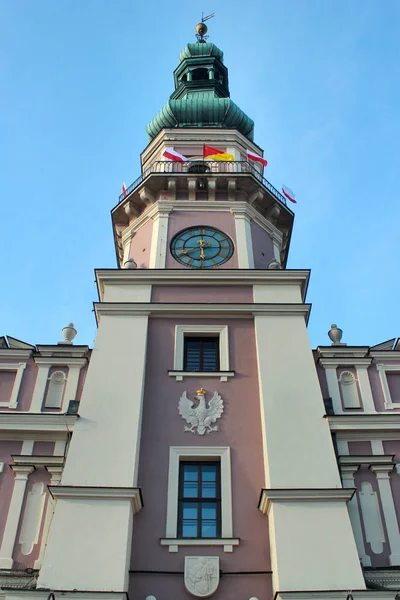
(201, 49)
(201, 97)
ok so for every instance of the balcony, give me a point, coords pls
(205, 169)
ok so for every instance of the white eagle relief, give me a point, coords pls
(201, 417)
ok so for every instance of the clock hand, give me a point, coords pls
(186, 251)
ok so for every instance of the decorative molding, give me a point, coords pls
(32, 518)
(201, 417)
(15, 353)
(201, 277)
(344, 361)
(98, 493)
(371, 514)
(180, 375)
(362, 594)
(220, 330)
(55, 389)
(382, 370)
(174, 543)
(201, 575)
(1, 467)
(349, 390)
(386, 578)
(365, 422)
(366, 461)
(216, 311)
(179, 453)
(269, 496)
(19, 368)
(38, 461)
(37, 422)
(60, 361)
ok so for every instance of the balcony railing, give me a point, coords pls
(203, 168)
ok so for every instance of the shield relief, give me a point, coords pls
(201, 575)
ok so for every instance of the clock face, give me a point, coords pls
(201, 247)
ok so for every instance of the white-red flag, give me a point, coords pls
(289, 194)
(124, 189)
(174, 155)
(257, 158)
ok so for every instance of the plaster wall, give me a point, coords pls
(277, 293)
(7, 448)
(102, 534)
(300, 567)
(179, 220)
(26, 387)
(234, 587)
(203, 294)
(352, 370)
(263, 249)
(141, 245)
(127, 293)
(7, 379)
(239, 428)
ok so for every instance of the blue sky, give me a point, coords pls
(80, 81)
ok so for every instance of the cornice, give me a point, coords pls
(38, 461)
(191, 309)
(37, 422)
(200, 277)
(366, 461)
(268, 496)
(362, 594)
(365, 422)
(13, 353)
(43, 594)
(384, 356)
(342, 351)
(345, 361)
(68, 361)
(98, 493)
(64, 350)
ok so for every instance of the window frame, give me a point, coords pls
(178, 454)
(199, 500)
(181, 331)
(382, 370)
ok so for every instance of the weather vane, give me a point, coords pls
(201, 28)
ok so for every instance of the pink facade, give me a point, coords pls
(7, 449)
(263, 250)
(162, 427)
(141, 245)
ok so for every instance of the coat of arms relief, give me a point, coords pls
(201, 575)
(200, 416)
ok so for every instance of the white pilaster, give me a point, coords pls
(333, 389)
(71, 386)
(108, 436)
(365, 389)
(19, 369)
(159, 238)
(277, 248)
(56, 474)
(40, 388)
(291, 402)
(389, 512)
(348, 482)
(244, 245)
(14, 512)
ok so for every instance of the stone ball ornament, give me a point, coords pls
(130, 264)
(201, 29)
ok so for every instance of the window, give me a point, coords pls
(199, 502)
(201, 354)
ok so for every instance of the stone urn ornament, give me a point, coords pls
(335, 335)
(69, 332)
(274, 264)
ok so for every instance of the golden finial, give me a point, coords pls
(201, 392)
(201, 28)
